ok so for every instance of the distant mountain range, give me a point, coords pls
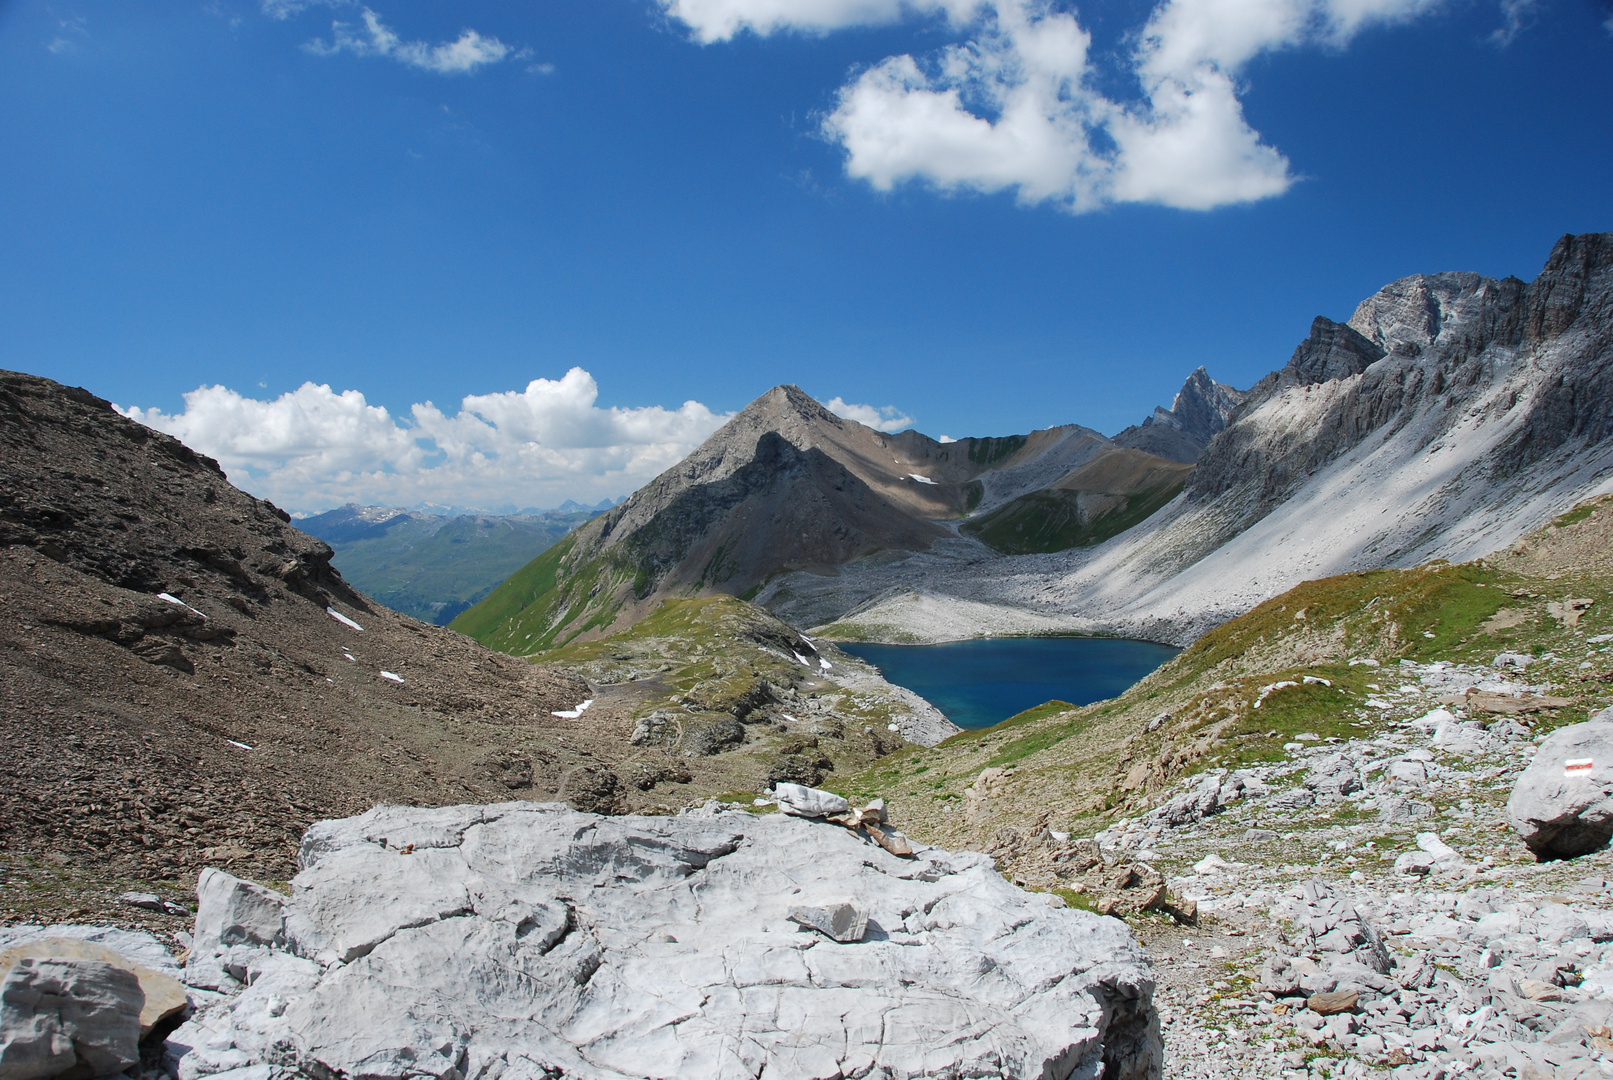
(1450, 415)
(434, 566)
(788, 486)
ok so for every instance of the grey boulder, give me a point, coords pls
(528, 940)
(839, 922)
(230, 913)
(1562, 805)
(802, 801)
(68, 1016)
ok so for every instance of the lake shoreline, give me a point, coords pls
(980, 682)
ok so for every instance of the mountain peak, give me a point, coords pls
(783, 407)
(1199, 410)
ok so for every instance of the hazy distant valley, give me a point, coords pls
(433, 566)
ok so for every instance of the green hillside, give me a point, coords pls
(1053, 520)
(551, 600)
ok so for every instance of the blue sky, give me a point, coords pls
(988, 218)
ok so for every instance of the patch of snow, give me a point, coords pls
(1309, 679)
(1265, 691)
(242, 745)
(823, 663)
(572, 714)
(803, 661)
(395, 678)
(922, 479)
(343, 619)
(176, 600)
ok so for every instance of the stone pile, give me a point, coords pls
(871, 822)
(1489, 986)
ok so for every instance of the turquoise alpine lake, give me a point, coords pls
(985, 681)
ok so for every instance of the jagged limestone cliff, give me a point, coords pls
(1449, 416)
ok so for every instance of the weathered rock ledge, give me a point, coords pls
(528, 940)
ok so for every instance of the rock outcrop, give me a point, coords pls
(1562, 805)
(1199, 412)
(528, 940)
(61, 1017)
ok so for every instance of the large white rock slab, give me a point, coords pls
(1562, 805)
(528, 940)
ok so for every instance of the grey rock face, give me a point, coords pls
(1333, 351)
(1562, 805)
(1437, 342)
(1200, 410)
(59, 1016)
(529, 940)
(229, 912)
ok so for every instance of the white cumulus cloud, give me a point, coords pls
(315, 448)
(880, 418)
(1016, 105)
(374, 38)
(719, 20)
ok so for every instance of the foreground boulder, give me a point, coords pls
(528, 940)
(1562, 805)
(68, 1017)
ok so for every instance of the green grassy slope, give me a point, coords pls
(1051, 520)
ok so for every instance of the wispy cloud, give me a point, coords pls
(315, 447)
(285, 9)
(1016, 104)
(372, 37)
(69, 32)
(1516, 17)
(880, 418)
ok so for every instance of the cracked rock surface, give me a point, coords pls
(530, 940)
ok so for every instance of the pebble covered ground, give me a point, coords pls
(1495, 964)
